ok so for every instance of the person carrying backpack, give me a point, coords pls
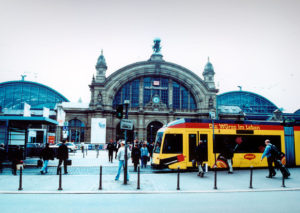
(270, 153)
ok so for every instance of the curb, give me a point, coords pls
(151, 192)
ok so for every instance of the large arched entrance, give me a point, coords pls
(152, 129)
(120, 134)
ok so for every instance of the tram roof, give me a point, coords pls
(191, 120)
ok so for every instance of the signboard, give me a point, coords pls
(98, 130)
(61, 114)
(126, 124)
(51, 138)
(46, 112)
(27, 112)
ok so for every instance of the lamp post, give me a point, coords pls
(151, 126)
(126, 103)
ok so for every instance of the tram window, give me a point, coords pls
(158, 142)
(245, 143)
(172, 143)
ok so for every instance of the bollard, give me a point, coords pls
(251, 174)
(20, 182)
(215, 184)
(100, 179)
(60, 179)
(283, 184)
(138, 178)
(178, 179)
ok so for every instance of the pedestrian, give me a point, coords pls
(270, 158)
(150, 148)
(82, 148)
(110, 148)
(16, 159)
(136, 156)
(228, 154)
(46, 154)
(144, 155)
(62, 155)
(2, 156)
(121, 158)
(200, 157)
(117, 147)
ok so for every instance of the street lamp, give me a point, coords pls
(126, 103)
(151, 133)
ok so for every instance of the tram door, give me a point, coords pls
(192, 145)
(203, 137)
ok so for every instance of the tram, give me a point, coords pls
(176, 142)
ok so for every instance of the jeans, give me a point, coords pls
(121, 164)
(144, 161)
(45, 166)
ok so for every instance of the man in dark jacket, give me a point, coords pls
(62, 155)
(16, 159)
(228, 154)
(200, 157)
(110, 148)
(136, 156)
(46, 154)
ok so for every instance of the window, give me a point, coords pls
(173, 144)
(245, 143)
(158, 142)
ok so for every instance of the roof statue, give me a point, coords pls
(156, 47)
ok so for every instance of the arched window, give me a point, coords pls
(154, 86)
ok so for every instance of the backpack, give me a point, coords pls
(275, 152)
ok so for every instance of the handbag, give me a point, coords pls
(69, 162)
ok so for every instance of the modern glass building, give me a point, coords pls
(253, 105)
(13, 95)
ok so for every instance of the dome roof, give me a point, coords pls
(13, 95)
(208, 68)
(249, 102)
(101, 63)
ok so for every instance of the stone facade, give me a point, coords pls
(104, 89)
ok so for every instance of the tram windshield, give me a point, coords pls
(158, 142)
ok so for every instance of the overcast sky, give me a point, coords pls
(251, 43)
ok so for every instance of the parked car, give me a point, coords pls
(71, 146)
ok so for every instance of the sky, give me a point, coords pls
(251, 43)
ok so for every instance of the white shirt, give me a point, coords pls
(121, 153)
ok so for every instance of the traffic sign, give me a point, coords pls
(126, 124)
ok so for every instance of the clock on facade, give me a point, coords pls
(155, 100)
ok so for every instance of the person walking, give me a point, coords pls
(150, 149)
(62, 155)
(46, 154)
(200, 157)
(270, 158)
(121, 158)
(144, 155)
(228, 154)
(110, 148)
(16, 158)
(117, 147)
(136, 156)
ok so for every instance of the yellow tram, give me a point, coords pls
(175, 143)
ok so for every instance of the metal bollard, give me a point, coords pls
(100, 179)
(178, 179)
(215, 179)
(20, 182)
(283, 184)
(251, 174)
(138, 178)
(60, 179)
